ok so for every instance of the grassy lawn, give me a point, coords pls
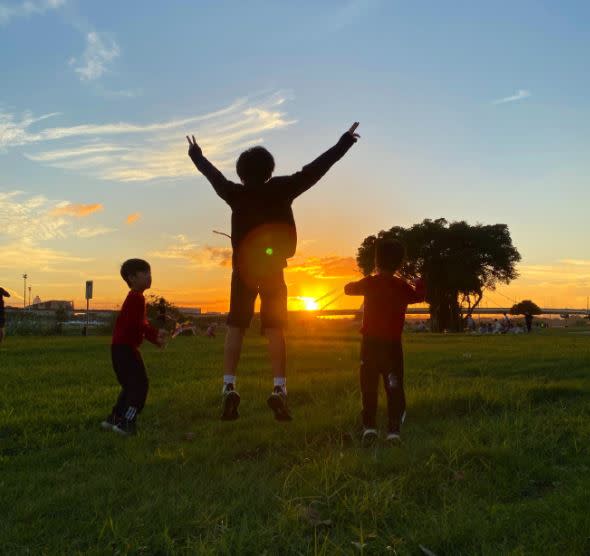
(495, 456)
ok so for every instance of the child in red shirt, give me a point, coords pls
(131, 328)
(386, 300)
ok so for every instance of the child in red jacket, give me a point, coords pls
(131, 328)
(386, 300)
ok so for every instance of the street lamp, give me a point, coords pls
(25, 276)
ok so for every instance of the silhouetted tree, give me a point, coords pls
(526, 307)
(457, 260)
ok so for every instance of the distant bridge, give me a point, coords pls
(425, 311)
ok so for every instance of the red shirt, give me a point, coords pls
(132, 324)
(386, 301)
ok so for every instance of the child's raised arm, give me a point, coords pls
(310, 174)
(223, 187)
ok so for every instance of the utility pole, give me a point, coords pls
(25, 291)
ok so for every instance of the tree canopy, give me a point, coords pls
(525, 307)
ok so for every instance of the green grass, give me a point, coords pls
(495, 456)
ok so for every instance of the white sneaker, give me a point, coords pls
(393, 437)
(369, 437)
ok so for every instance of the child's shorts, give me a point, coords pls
(273, 300)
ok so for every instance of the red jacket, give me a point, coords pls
(386, 301)
(132, 325)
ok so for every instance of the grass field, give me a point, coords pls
(495, 456)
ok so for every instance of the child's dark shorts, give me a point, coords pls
(273, 300)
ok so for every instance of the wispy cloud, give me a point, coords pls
(29, 218)
(27, 8)
(125, 152)
(184, 249)
(78, 210)
(330, 267)
(575, 262)
(519, 95)
(22, 255)
(133, 218)
(32, 219)
(94, 232)
(27, 222)
(100, 51)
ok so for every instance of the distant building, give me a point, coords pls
(53, 305)
(37, 300)
(190, 311)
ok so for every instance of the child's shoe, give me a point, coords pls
(125, 427)
(111, 421)
(277, 401)
(393, 434)
(393, 437)
(230, 403)
(369, 437)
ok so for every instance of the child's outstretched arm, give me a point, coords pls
(417, 292)
(355, 288)
(223, 187)
(310, 174)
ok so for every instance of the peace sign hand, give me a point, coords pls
(193, 150)
(352, 130)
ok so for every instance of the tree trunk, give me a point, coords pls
(445, 313)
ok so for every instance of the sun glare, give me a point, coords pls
(310, 303)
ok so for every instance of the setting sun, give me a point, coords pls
(310, 303)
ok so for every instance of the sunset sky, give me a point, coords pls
(468, 110)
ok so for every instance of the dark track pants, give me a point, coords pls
(382, 358)
(132, 377)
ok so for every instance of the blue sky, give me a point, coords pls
(475, 111)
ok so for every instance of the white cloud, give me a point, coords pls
(519, 95)
(123, 151)
(33, 219)
(27, 8)
(93, 232)
(28, 219)
(100, 51)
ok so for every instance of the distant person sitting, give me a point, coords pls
(506, 323)
(386, 298)
(3, 294)
(210, 333)
(263, 237)
(528, 320)
(130, 329)
(470, 324)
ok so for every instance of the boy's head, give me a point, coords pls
(255, 165)
(389, 254)
(137, 273)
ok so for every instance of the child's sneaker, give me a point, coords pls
(393, 437)
(111, 421)
(125, 427)
(277, 401)
(230, 403)
(369, 437)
